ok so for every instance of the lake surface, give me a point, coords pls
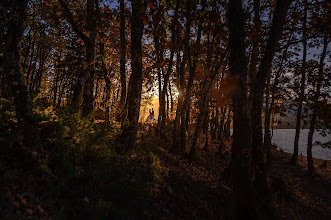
(284, 139)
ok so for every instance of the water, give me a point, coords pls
(284, 139)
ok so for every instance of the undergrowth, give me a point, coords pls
(76, 173)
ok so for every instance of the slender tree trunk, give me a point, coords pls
(316, 107)
(171, 99)
(269, 121)
(123, 55)
(243, 191)
(206, 123)
(192, 68)
(12, 69)
(177, 147)
(267, 135)
(57, 76)
(294, 157)
(135, 84)
(258, 86)
(221, 124)
(226, 130)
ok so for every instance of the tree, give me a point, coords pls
(123, 56)
(257, 90)
(130, 127)
(12, 69)
(316, 106)
(294, 157)
(85, 81)
(243, 191)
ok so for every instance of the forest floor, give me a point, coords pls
(196, 190)
(183, 190)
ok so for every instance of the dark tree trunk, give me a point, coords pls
(221, 124)
(57, 77)
(255, 47)
(123, 56)
(135, 84)
(258, 86)
(226, 130)
(177, 147)
(169, 70)
(316, 107)
(204, 107)
(88, 98)
(294, 157)
(85, 82)
(269, 122)
(243, 191)
(206, 123)
(11, 67)
(192, 68)
(267, 134)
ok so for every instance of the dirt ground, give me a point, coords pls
(197, 191)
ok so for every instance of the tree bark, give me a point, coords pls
(258, 86)
(130, 127)
(204, 106)
(85, 82)
(123, 55)
(176, 147)
(192, 68)
(169, 70)
(294, 157)
(243, 191)
(12, 69)
(313, 120)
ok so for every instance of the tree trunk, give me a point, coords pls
(226, 130)
(192, 68)
(204, 107)
(12, 69)
(294, 157)
(88, 97)
(267, 134)
(123, 56)
(176, 147)
(256, 41)
(243, 191)
(221, 124)
(85, 81)
(313, 120)
(258, 86)
(135, 83)
(164, 91)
